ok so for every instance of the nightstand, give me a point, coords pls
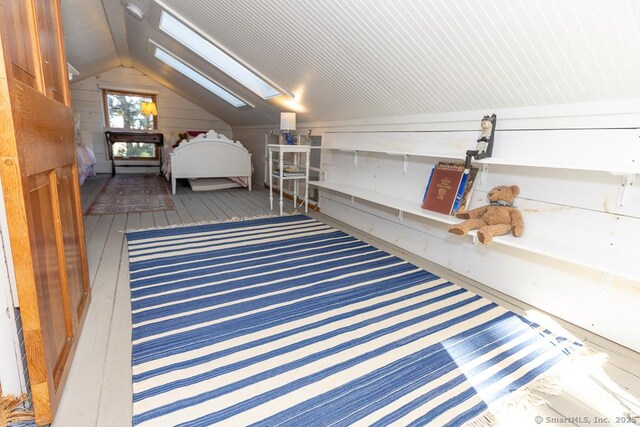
(290, 166)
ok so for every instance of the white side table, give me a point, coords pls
(299, 172)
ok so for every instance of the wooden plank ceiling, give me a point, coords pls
(374, 58)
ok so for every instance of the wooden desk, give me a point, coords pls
(123, 136)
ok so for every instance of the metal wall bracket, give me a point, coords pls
(628, 181)
(353, 200)
(355, 158)
(400, 215)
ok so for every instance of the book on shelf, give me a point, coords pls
(289, 174)
(464, 192)
(450, 165)
(443, 186)
(290, 170)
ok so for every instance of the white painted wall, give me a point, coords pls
(175, 114)
(10, 368)
(12, 375)
(575, 208)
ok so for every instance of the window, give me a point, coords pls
(215, 56)
(135, 151)
(186, 70)
(143, 148)
(123, 110)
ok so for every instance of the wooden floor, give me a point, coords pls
(98, 390)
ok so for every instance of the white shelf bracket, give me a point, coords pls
(405, 161)
(474, 239)
(400, 215)
(483, 173)
(353, 200)
(355, 158)
(628, 181)
(606, 280)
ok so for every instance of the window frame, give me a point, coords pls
(105, 107)
(183, 31)
(115, 136)
(156, 150)
(157, 48)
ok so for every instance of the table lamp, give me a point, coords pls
(148, 109)
(287, 124)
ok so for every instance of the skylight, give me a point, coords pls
(215, 56)
(189, 72)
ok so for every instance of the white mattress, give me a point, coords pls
(210, 184)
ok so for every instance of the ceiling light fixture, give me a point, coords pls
(134, 11)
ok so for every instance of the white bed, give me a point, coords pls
(211, 155)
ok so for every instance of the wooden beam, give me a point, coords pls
(114, 11)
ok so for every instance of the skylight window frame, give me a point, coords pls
(154, 47)
(168, 11)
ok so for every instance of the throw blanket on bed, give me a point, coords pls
(287, 321)
(86, 162)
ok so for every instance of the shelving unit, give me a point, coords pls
(403, 206)
(404, 154)
(628, 173)
(296, 151)
(399, 152)
(616, 170)
(607, 261)
(313, 141)
(579, 234)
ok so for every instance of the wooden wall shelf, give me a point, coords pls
(606, 259)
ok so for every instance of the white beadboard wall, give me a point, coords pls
(13, 376)
(586, 201)
(10, 368)
(175, 114)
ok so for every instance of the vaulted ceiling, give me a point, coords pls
(352, 59)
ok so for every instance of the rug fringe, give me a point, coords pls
(219, 221)
(552, 383)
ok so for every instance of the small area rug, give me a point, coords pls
(132, 193)
(287, 321)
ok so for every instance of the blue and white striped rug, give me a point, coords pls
(287, 321)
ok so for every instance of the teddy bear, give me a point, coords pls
(498, 218)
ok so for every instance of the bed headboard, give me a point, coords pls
(211, 135)
(210, 155)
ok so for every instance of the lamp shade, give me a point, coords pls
(148, 108)
(287, 121)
